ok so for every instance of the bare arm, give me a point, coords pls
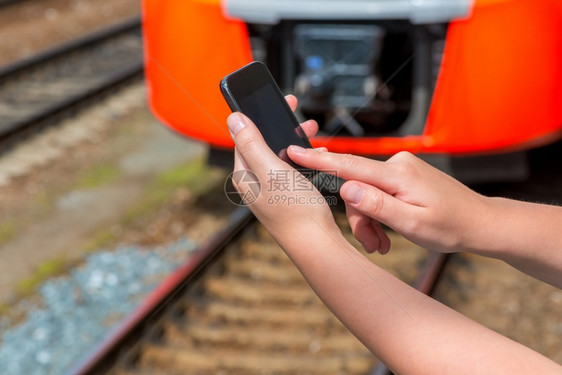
(409, 331)
(528, 236)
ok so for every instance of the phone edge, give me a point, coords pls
(232, 104)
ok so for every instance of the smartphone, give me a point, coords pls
(253, 91)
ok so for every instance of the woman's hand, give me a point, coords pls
(393, 320)
(415, 199)
(285, 201)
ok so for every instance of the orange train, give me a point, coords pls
(469, 85)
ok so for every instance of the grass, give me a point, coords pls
(7, 231)
(100, 239)
(97, 176)
(28, 287)
(195, 176)
(5, 309)
(47, 269)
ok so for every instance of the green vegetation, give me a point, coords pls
(45, 270)
(195, 176)
(97, 176)
(5, 309)
(100, 239)
(7, 231)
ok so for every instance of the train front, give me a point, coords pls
(462, 83)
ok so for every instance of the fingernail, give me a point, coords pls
(235, 123)
(353, 194)
(297, 149)
(321, 149)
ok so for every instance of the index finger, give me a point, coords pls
(292, 101)
(347, 166)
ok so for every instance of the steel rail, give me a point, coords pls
(9, 70)
(175, 286)
(13, 131)
(6, 3)
(171, 289)
(28, 123)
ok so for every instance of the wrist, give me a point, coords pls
(480, 229)
(305, 231)
(501, 224)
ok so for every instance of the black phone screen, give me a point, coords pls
(272, 119)
(253, 91)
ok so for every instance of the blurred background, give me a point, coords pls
(115, 157)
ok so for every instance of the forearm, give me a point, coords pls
(525, 235)
(410, 332)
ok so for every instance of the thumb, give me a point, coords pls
(253, 151)
(377, 204)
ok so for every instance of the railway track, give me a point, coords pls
(5, 3)
(36, 91)
(239, 307)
